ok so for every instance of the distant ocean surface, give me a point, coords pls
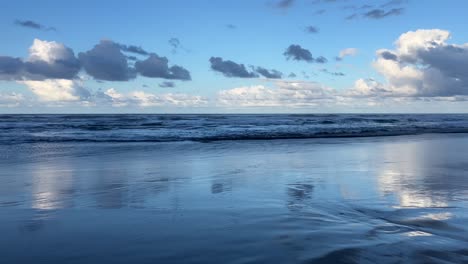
(215, 127)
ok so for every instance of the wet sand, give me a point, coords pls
(357, 200)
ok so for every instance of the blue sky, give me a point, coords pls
(256, 33)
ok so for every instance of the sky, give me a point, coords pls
(246, 56)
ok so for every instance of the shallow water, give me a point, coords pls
(354, 200)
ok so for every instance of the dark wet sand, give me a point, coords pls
(361, 200)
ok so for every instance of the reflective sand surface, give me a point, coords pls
(366, 200)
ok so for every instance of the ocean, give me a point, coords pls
(331, 188)
(168, 128)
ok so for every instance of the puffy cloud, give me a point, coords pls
(58, 90)
(230, 69)
(48, 51)
(297, 53)
(287, 94)
(346, 52)
(422, 65)
(52, 60)
(106, 62)
(409, 43)
(157, 67)
(50, 71)
(47, 60)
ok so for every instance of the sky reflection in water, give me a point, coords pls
(235, 201)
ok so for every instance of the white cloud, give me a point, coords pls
(365, 88)
(408, 44)
(49, 51)
(10, 99)
(423, 64)
(347, 52)
(172, 99)
(115, 98)
(71, 91)
(47, 60)
(144, 99)
(57, 90)
(288, 94)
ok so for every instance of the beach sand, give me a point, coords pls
(355, 200)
